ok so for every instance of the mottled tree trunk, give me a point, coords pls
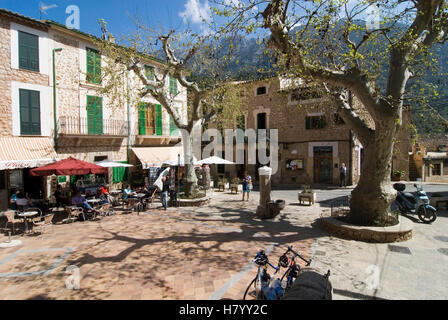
(190, 179)
(371, 199)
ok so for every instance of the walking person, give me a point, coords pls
(164, 194)
(247, 185)
(343, 175)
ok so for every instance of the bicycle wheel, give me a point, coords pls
(248, 287)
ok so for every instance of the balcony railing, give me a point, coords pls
(164, 131)
(91, 127)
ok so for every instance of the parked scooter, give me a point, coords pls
(417, 202)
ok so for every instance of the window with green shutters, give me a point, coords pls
(159, 121)
(173, 85)
(174, 131)
(29, 101)
(150, 73)
(28, 51)
(93, 66)
(94, 115)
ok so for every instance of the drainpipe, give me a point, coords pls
(54, 101)
(128, 115)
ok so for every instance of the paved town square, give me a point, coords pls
(206, 252)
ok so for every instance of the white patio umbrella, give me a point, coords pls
(112, 164)
(214, 160)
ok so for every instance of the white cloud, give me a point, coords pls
(196, 12)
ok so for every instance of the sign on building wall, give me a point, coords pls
(294, 164)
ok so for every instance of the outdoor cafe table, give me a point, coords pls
(94, 201)
(26, 216)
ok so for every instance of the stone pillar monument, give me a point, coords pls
(265, 192)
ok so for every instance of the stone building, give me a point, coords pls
(36, 129)
(313, 141)
(429, 159)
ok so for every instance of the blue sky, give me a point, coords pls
(118, 13)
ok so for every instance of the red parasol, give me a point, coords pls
(69, 167)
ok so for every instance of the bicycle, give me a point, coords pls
(293, 270)
(262, 279)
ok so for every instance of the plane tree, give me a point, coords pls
(369, 49)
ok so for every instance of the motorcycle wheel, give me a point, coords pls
(426, 215)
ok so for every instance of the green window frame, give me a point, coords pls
(28, 51)
(29, 101)
(159, 120)
(94, 115)
(173, 85)
(93, 66)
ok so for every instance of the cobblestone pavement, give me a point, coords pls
(186, 253)
(206, 252)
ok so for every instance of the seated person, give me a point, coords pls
(103, 197)
(104, 189)
(61, 198)
(80, 201)
(22, 202)
(127, 192)
(13, 199)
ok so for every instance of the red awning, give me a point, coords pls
(69, 167)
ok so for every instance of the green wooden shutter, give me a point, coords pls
(149, 70)
(308, 123)
(173, 85)
(174, 131)
(159, 122)
(142, 119)
(29, 112)
(28, 51)
(93, 66)
(94, 115)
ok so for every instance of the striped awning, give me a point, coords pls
(157, 156)
(25, 152)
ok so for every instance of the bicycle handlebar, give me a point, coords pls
(290, 249)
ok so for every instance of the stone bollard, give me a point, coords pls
(263, 211)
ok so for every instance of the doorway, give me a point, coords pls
(323, 165)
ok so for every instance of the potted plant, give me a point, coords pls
(223, 183)
(234, 184)
(307, 192)
(398, 174)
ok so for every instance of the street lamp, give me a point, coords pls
(54, 101)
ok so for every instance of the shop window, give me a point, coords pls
(16, 179)
(315, 122)
(261, 91)
(436, 170)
